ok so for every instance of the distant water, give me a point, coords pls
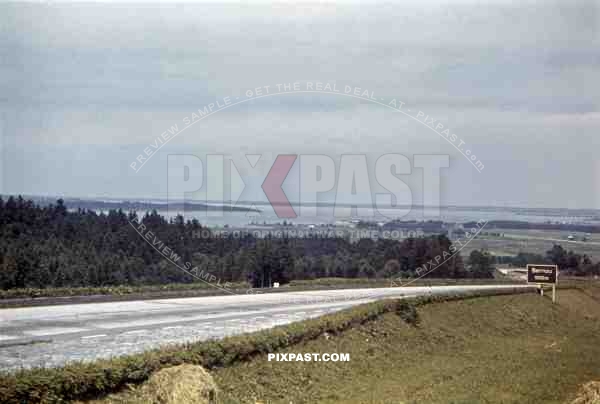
(446, 214)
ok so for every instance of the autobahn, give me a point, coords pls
(51, 336)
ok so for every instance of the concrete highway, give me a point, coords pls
(53, 335)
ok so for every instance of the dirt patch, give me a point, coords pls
(184, 384)
(589, 394)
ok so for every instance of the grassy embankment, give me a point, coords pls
(502, 349)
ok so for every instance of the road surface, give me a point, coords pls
(53, 335)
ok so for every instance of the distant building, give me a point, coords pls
(514, 273)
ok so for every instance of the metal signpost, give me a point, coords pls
(542, 274)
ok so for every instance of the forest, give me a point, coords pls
(52, 246)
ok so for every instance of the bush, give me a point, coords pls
(407, 312)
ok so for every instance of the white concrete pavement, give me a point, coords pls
(54, 335)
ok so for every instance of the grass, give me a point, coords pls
(523, 242)
(121, 290)
(106, 290)
(501, 349)
(370, 282)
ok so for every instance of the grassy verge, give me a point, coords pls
(178, 287)
(89, 380)
(106, 290)
(55, 296)
(502, 349)
(372, 283)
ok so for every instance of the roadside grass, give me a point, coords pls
(500, 349)
(120, 290)
(84, 291)
(589, 286)
(117, 290)
(54, 296)
(370, 283)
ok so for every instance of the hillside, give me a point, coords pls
(502, 349)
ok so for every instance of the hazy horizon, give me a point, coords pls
(260, 204)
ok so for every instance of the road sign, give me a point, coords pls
(543, 275)
(547, 274)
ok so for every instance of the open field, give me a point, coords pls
(532, 241)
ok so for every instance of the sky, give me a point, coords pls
(85, 88)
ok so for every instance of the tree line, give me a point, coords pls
(51, 246)
(568, 262)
